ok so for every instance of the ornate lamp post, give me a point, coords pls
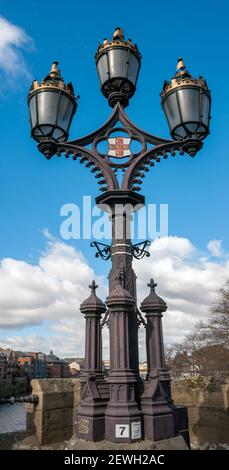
(122, 408)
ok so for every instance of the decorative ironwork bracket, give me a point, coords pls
(105, 321)
(103, 250)
(139, 249)
(140, 319)
(134, 166)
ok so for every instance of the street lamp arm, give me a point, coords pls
(138, 167)
(104, 174)
(119, 115)
(149, 138)
(109, 123)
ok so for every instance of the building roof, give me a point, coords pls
(52, 358)
(79, 360)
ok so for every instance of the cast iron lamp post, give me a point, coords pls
(122, 408)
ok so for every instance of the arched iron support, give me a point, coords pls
(105, 175)
(134, 170)
(138, 167)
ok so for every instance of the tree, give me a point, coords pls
(216, 330)
(206, 348)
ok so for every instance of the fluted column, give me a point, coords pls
(90, 418)
(123, 420)
(157, 406)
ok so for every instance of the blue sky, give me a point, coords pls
(33, 190)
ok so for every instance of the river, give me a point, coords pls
(12, 418)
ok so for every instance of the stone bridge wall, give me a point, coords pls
(208, 409)
(53, 418)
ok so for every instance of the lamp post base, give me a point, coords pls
(123, 417)
(90, 417)
(90, 422)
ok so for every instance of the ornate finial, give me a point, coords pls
(180, 66)
(153, 303)
(152, 285)
(118, 34)
(54, 72)
(93, 287)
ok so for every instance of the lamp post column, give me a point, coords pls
(90, 421)
(156, 403)
(123, 421)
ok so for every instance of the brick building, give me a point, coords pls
(13, 369)
(40, 364)
(57, 367)
(3, 366)
(27, 366)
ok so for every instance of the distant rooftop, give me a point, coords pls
(74, 359)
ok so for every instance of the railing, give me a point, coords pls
(25, 399)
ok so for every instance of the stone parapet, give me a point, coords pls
(52, 419)
(208, 408)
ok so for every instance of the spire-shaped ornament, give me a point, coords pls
(93, 303)
(153, 302)
(118, 63)
(186, 102)
(52, 104)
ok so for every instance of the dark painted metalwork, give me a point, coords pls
(25, 399)
(90, 419)
(122, 408)
(139, 249)
(103, 250)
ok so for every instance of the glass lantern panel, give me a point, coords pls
(133, 68)
(57, 134)
(192, 127)
(189, 99)
(118, 58)
(171, 111)
(180, 133)
(47, 107)
(65, 112)
(38, 132)
(201, 129)
(46, 130)
(102, 67)
(33, 111)
(205, 108)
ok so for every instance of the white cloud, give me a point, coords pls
(13, 40)
(49, 293)
(215, 248)
(186, 279)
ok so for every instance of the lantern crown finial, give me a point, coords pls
(55, 71)
(180, 68)
(118, 34)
